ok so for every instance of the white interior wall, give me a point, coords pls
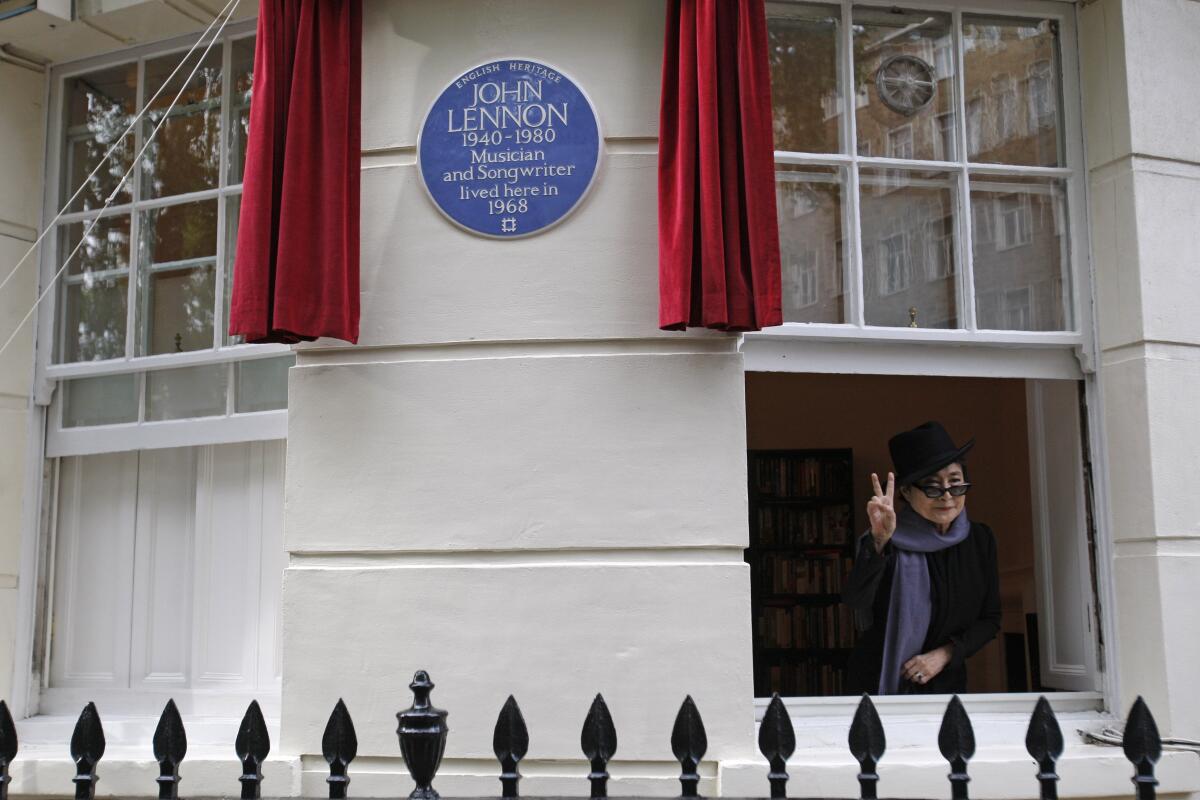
(1140, 118)
(21, 149)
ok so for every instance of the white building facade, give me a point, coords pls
(515, 480)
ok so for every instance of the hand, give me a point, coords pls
(925, 667)
(881, 511)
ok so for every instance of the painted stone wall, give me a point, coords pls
(516, 481)
(1144, 165)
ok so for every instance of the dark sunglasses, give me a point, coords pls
(933, 492)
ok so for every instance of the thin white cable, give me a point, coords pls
(137, 118)
(133, 164)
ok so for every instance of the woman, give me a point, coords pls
(924, 576)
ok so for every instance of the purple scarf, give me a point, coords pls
(910, 608)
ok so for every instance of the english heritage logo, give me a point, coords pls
(509, 148)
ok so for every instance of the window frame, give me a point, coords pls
(231, 427)
(1073, 173)
(853, 347)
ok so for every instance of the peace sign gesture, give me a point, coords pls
(881, 511)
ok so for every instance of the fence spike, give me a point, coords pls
(252, 746)
(599, 743)
(87, 748)
(777, 742)
(1044, 741)
(1143, 748)
(170, 746)
(867, 745)
(8, 747)
(339, 745)
(510, 743)
(689, 743)
(956, 740)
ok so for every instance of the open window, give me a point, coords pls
(814, 441)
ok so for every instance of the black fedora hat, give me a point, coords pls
(923, 451)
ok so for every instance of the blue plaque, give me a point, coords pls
(509, 148)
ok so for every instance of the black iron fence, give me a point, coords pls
(422, 732)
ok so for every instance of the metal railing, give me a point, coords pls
(422, 733)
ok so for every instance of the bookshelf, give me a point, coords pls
(801, 549)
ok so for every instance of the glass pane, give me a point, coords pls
(805, 96)
(262, 384)
(184, 393)
(106, 400)
(909, 263)
(105, 249)
(185, 154)
(243, 78)
(98, 108)
(904, 78)
(809, 202)
(1011, 77)
(93, 318)
(178, 278)
(1019, 237)
(233, 207)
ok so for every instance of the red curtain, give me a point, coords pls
(296, 271)
(718, 251)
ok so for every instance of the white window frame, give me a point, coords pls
(968, 351)
(230, 427)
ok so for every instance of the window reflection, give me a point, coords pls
(99, 107)
(185, 154)
(1010, 72)
(94, 288)
(1021, 264)
(909, 266)
(806, 98)
(809, 202)
(178, 278)
(241, 83)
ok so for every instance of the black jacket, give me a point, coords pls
(965, 589)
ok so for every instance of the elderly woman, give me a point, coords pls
(924, 575)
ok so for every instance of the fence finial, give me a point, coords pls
(777, 742)
(1143, 748)
(510, 742)
(422, 731)
(87, 748)
(956, 740)
(339, 745)
(599, 743)
(170, 746)
(867, 745)
(689, 742)
(1044, 741)
(252, 746)
(8, 747)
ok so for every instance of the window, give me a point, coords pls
(164, 435)
(894, 264)
(803, 289)
(931, 79)
(138, 336)
(1014, 221)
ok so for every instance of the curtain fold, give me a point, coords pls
(296, 271)
(718, 235)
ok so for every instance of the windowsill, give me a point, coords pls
(918, 705)
(870, 333)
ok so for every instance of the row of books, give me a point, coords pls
(804, 679)
(787, 476)
(802, 627)
(812, 574)
(790, 526)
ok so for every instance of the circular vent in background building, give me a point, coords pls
(905, 83)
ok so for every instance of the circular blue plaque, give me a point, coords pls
(509, 148)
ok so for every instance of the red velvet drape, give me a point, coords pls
(296, 271)
(718, 252)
